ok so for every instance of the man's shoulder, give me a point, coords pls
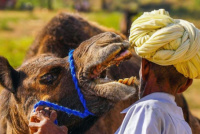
(149, 104)
(157, 100)
(154, 101)
(151, 107)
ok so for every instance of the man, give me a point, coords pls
(156, 112)
(170, 60)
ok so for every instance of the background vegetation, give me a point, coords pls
(21, 24)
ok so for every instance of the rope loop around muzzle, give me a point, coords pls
(81, 97)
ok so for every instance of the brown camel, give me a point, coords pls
(59, 35)
(47, 77)
(66, 31)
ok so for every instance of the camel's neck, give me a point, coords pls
(11, 116)
(84, 125)
(16, 122)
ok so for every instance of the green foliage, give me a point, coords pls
(4, 23)
(197, 2)
(108, 19)
(14, 49)
(43, 3)
(4, 26)
(33, 2)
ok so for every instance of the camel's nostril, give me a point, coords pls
(113, 35)
(116, 37)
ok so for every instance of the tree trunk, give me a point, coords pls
(50, 4)
(104, 5)
(127, 21)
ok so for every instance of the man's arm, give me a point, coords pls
(42, 122)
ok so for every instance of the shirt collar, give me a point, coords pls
(161, 96)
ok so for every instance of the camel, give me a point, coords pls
(59, 35)
(57, 38)
(47, 77)
(55, 33)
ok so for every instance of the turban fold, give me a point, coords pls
(166, 41)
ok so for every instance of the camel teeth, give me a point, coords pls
(125, 80)
(130, 81)
(120, 80)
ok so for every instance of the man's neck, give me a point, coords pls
(151, 86)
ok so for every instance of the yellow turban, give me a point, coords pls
(166, 41)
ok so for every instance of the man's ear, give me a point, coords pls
(145, 67)
(9, 77)
(185, 86)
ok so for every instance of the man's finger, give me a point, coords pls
(42, 112)
(53, 115)
(34, 125)
(33, 129)
(34, 118)
(37, 116)
(39, 108)
(47, 112)
(64, 129)
(41, 115)
(38, 132)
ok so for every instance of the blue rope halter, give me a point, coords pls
(81, 97)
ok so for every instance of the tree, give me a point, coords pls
(50, 4)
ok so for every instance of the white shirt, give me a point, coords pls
(156, 113)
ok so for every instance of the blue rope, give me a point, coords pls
(81, 97)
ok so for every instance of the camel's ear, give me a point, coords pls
(9, 77)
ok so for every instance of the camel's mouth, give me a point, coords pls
(98, 72)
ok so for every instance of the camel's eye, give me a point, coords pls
(51, 76)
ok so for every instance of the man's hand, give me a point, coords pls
(42, 122)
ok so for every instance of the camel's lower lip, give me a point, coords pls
(102, 80)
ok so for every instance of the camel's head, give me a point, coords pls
(93, 57)
(47, 77)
